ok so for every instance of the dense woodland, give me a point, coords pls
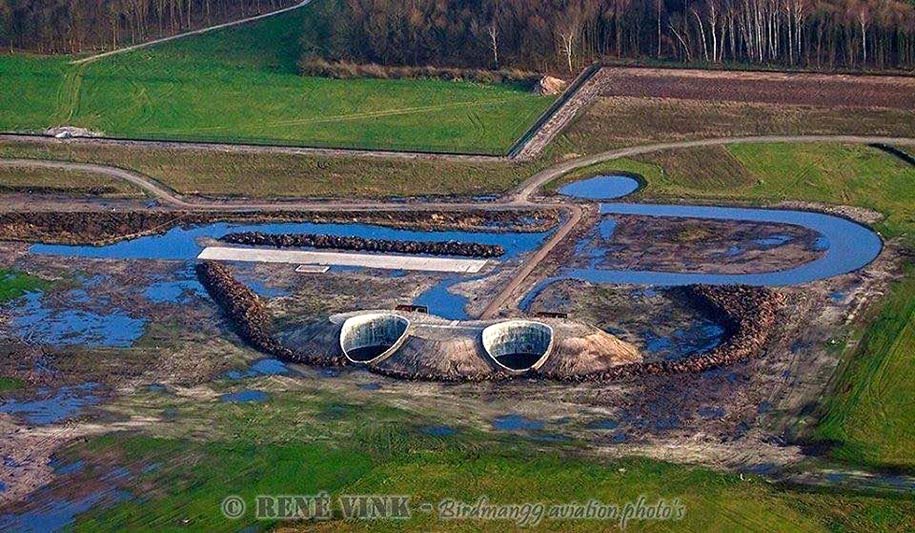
(69, 26)
(557, 35)
(563, 35)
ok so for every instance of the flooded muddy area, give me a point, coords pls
(88, 303)
(664, 323)
(124, 336)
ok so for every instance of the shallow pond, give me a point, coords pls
(601, 187)
(244, 396)
(442, 302)
(68, 327)
(52, 406)
(514, 422)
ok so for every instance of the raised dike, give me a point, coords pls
(103, 227)
(336, 242)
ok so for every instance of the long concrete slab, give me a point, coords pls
(301, 257)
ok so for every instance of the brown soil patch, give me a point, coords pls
(763, 87)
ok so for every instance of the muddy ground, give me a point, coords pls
(743, 416)
(665, 324)
(692, 245)
(765, 87)
(98, 227)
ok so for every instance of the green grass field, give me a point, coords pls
(302, 443)
(241, 85)
(14, 284)
(869, 417)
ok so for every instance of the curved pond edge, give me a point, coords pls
(849, 247)
(639, 182)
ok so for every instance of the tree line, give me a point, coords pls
(72, 26)
(564, 35)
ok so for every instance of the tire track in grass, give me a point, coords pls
(69, 94)
(364, 115)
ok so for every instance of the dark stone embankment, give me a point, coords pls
(311, 240)
(250, 318)
(105, 227)
(749, 315)
(242, 306)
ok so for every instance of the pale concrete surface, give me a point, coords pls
(387, 262)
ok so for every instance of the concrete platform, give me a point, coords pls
(301, 257)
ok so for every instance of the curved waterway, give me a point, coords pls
(183, 242)
(847, 246)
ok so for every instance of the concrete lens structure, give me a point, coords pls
(518, 345)
(372, 337)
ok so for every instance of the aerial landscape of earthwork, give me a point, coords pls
(681, 284)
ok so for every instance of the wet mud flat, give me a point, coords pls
(693, 245)
(95, 227)
(151, 310)
(731, 416)
(666, 324)
(741, 414)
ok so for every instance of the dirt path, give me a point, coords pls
(252, 148)
(504, 297)
(90, 59)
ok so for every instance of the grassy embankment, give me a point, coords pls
(241, 85)
(62, 181)
(304, 442)
(869, 416)
(214, 173)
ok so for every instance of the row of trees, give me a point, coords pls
(565, 34)
(70, 26)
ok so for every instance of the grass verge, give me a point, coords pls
(62, 181)
(217, 174)
(296, 445)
